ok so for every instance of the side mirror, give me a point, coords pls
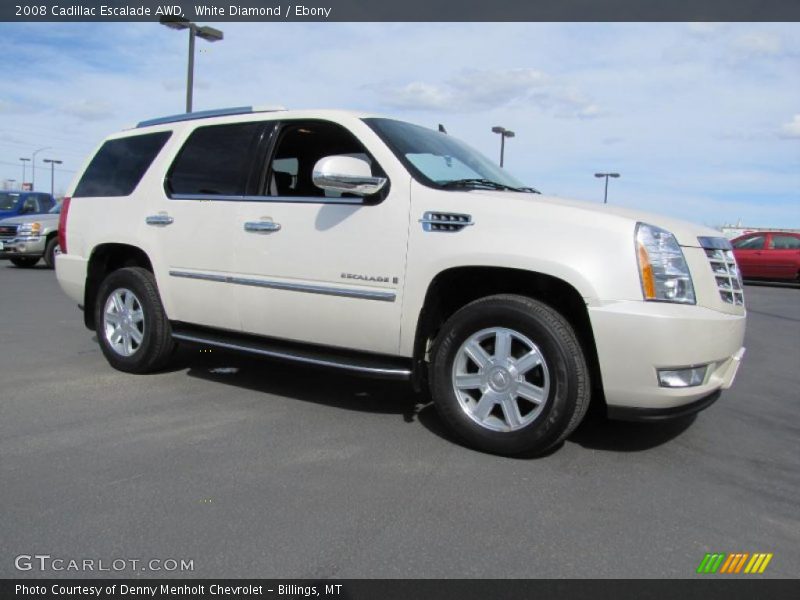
(347, 175)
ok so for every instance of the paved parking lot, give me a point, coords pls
(278, 471)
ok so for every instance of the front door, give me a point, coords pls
(315, 266)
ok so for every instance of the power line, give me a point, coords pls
(11, 164)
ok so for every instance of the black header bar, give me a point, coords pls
(401, 10)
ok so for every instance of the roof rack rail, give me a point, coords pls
(205, 114)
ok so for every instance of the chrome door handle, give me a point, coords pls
(262, 226)
(159, 220)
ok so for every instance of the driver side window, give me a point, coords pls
(300, 145)
(755, 242)
(30, 205)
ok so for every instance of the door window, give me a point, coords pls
(216, 160)
(30, 205)
(785, 242)
(755, 242)
(300, 145)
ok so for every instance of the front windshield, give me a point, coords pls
(8, 200)
(440, 160)
(55, 210)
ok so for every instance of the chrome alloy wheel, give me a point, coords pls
(501, 379)
(123, 322)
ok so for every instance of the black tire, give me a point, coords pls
(50, 252)
(569, 387)
(25, 262)
(156, 347)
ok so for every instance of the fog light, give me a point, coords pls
(678, 378)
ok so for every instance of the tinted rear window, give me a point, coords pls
(120, 164)
(215, 160)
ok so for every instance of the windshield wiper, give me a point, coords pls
(478, 182)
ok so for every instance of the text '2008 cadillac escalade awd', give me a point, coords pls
(350, 241)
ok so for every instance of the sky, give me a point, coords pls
(702, 120)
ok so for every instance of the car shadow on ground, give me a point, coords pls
(332, 388)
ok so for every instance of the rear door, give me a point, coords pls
(783, 256)
(193, 222)
(749, 251)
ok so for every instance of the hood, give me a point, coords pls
(685, 232)
(19, 220)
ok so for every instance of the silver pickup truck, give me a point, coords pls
(26, 239)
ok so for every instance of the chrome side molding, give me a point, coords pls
(380, 295)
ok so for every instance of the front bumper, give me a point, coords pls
(22, 246)
(635, 339)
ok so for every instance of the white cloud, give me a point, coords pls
(89, 110)
(791, 130)
(487, 89)
(760, 44)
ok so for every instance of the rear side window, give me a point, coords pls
(785, 242)
(215, 160)
(120, 164)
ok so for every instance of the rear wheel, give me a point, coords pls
(132, 327)
(25, 262)
(51, 250)
(508, 375)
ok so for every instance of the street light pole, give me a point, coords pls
(504, 133)
(33, 167)
(204, 32)
(53, 164)
(190, 72)
(24, 160)
(606, 175)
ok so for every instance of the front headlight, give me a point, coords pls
(663, 270)
(29, 229)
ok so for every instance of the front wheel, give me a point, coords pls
(24, 262)
(51, 250)
(508, 375)
(132, 327)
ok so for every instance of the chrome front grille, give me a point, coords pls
(726, 272)
(8, 231)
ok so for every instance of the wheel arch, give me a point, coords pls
(454, 288)
(104, 259)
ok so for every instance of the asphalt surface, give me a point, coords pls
(279, 471)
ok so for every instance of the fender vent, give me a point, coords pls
(447, 222)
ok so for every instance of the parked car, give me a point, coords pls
(367, 244)
(24, 240)
(773, 255)
(13, 203)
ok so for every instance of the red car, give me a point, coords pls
(768, 255)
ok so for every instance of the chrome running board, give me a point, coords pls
(363, 363)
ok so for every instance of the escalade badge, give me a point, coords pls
(375, 278)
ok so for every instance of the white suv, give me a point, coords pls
(351, 241)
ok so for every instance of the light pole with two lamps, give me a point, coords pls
(33, 167)
(504, 133)
(203, 32)
(606, 175)
(53, 164)
(24, 160)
